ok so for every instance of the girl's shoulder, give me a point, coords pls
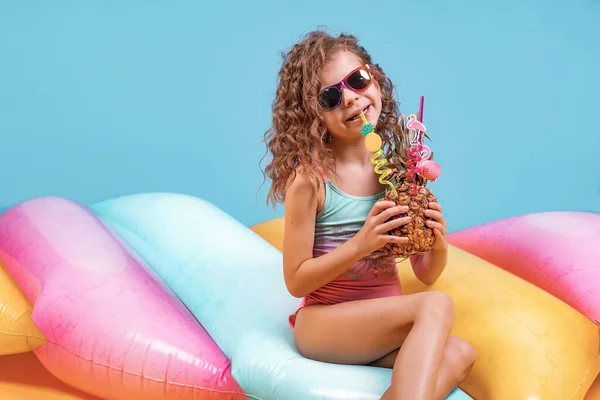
(308, 182)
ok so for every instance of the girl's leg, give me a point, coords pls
(457, 361)
(363, 331)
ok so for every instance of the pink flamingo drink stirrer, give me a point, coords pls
(418, 163)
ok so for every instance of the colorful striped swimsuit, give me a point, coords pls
(374, 276)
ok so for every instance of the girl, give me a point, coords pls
(353, 311)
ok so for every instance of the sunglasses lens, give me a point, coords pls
(329, 98)
(359, 80)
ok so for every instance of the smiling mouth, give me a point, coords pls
(357, 115)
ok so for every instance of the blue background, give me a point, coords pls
(103, 99)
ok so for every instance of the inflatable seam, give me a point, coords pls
(583, 379)
(114, 368)
(597, 322)
(23, 336)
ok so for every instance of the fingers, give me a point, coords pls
(395, 239)
(440, 240)
(395, 223)
(379, 206)
(435, 206)
(436, 225)
(389, 213)
(436, 215)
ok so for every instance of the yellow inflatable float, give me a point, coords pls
(594, 392)
(18, 333)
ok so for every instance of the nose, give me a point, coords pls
(349, 96)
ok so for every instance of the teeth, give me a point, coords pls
(358, 115)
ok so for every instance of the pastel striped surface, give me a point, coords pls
(112, 328)
(556, 251)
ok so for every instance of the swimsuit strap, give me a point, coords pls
(323, 173)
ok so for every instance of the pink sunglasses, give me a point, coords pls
(357, 80)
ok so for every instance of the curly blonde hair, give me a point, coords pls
(298, 136)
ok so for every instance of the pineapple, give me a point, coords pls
(421, 237)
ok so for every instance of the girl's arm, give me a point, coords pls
(429, 266)
(303, 274)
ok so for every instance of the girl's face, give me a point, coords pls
(344, 121)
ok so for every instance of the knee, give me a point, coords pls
(459, 356)
(438, 306)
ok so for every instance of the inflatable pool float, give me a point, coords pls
(18, 333)
(111, 326)
(166, 296)
(594, 392)
(22, 376)
(556, 251)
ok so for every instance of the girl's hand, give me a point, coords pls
(438, 224)
(375, 232)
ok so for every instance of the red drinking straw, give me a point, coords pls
(421, 108)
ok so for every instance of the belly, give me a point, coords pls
(368, 279)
